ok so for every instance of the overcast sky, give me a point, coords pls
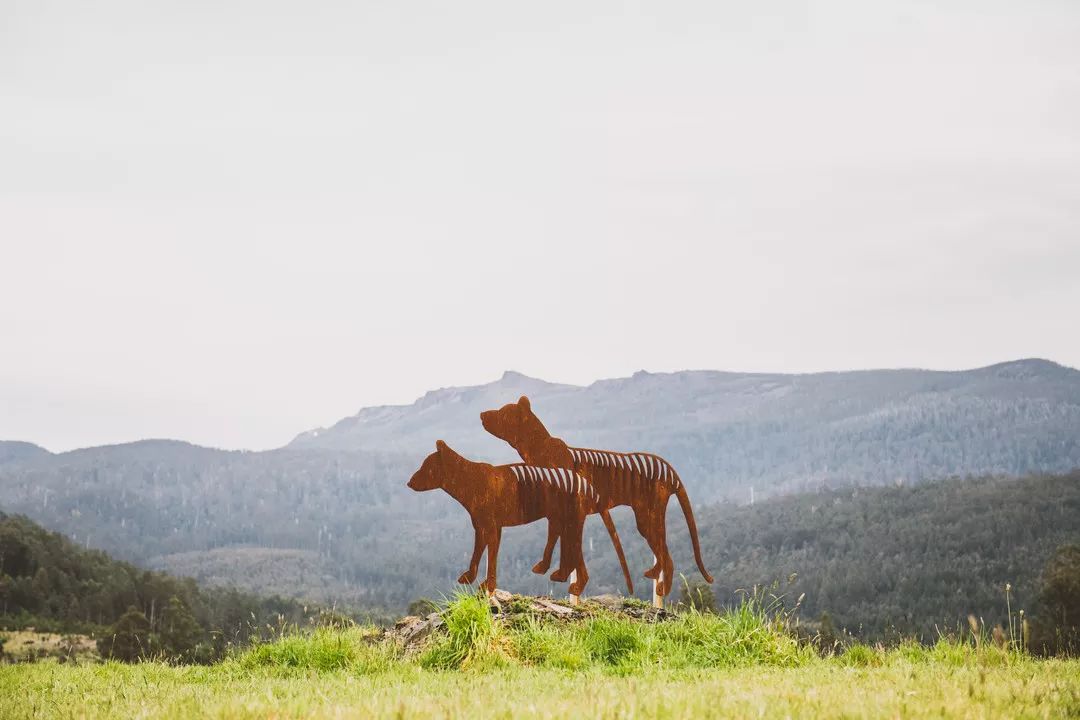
(229, 222)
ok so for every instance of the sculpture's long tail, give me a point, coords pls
(610, 525)
(689, 513)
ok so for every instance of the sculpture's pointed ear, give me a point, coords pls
(524, 402)
(446, 452)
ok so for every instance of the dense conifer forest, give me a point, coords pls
(880, 562)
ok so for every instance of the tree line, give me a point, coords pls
(882, 562)
(49, 583)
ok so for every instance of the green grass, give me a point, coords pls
(470, 638)
(355, 650)
(738, 664)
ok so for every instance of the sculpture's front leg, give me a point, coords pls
(542, 567)
(469, 576)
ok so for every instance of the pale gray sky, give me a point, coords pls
(229, 222)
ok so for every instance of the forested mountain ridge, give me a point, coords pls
(151, 500)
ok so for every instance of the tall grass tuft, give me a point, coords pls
(470, 639)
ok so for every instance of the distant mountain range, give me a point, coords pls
(778, 433)
(328, 516)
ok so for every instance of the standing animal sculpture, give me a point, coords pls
(498, 496)
(643, 481)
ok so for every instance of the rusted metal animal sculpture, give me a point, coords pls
(643, 481)
(498, 496)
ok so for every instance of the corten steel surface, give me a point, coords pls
(498, 496)
(643, 481)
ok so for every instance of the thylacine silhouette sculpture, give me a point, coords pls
(643, 481)
(498, 496)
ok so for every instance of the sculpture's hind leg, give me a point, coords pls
(581, 579)
(571, 558)
(651, 515)
(614, 534)
(493, 537)
(653, 526)
(567, 561)
(665, 582)
(542, 567)
(647, 526)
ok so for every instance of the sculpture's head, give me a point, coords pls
(512, 423)
(432, 472)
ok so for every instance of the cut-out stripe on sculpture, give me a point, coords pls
(640, 466)
(558, 478)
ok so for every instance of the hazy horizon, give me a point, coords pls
(228, 224)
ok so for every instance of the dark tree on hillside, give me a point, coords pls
(15, 554)
(181, 633)
(1057, 626)
(6, 584)
(130, 639)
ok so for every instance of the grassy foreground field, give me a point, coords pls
(735, 665)
(827, 689)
